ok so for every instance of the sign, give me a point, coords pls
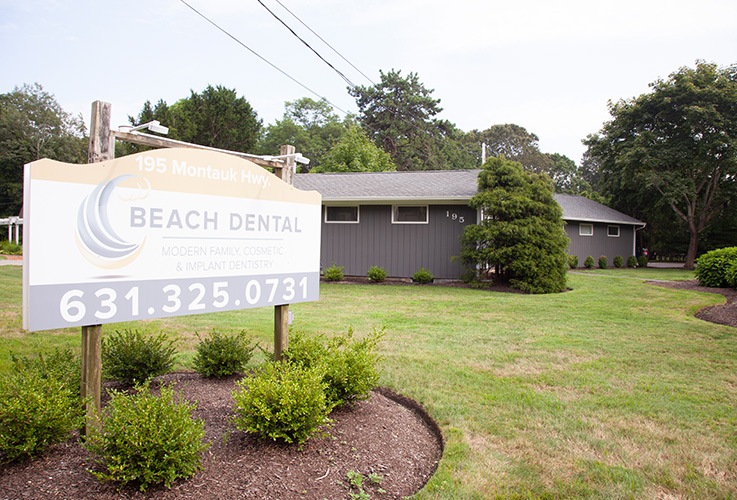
(163, 233)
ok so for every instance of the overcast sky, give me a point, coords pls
(547, 66)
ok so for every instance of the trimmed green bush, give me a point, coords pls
(132, 358)
(349, 365)
(61, 365)
(714, 268)
(334, 273)
(731, 274)
(423, 276)
(220, 355)
(642, 261)
(376, 274)
(10, 248)
(589, 262)
(618, 262)
(147, 440)
(573, 261)
(36, 409)
(602, 262)
(631, 261)
(281, 401)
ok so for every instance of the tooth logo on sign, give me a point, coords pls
(96, 237)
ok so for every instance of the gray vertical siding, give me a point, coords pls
(600, 244)
(400, 249)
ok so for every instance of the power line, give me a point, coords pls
(345, 78)
(261, 57)
(325, 42)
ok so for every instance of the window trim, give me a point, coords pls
(358, 214)
(610, 226)
(395, 208)
(581, 225)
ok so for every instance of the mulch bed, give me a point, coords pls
(388, 434)
(723, 314)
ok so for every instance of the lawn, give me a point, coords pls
(612, 389)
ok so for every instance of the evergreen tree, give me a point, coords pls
(521, 235)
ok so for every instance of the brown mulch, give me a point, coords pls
(388, 435)
(722, 314)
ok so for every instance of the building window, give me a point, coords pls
(612, 231)
(585, 229)
(341, 215)
(409, 214)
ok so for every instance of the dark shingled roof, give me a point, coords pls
(434, 186)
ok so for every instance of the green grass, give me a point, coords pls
(611, 390)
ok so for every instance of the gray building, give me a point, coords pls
(402, 221)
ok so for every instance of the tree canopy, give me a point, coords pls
(216, 117)
(355, 152)
(311, 126)
(34, 126)
(398, 114)
(674, 148)
(520, 235)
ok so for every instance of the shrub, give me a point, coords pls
(132, 358)
(220, 355)
(147, 439)
(631, 261)
(589, 262)
(281, 400)
(61, 365)
(573, 261)
(349, 366)
(642, 261)
(731, 274)
(618, 261)
(10, 248)
(334, 273)
(714, 268)
(423, 276)
(602, 262)
(376, 274)
(36, 409)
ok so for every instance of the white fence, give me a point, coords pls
(14, 228)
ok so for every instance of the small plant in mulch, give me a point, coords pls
(147, 439)
(132, 358)
(281, 401)
(349, 365)
(632, 261)
(39, 405)
(221, 355)
(358, 484)
(423, 276)
(589, 262)
(618, 261)
(334, 273)
(376, 274)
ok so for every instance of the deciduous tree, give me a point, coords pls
(355, 153)
(34, 126)
(674, 148)
(311, 126)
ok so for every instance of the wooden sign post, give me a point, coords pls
(101, 148)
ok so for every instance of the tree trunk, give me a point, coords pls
(693, 246)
